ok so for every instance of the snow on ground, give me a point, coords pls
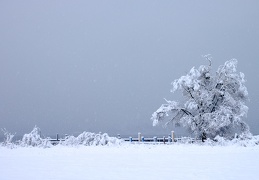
(130, 161)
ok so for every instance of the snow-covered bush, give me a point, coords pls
(34, 139)
(91, 139)
(214, 106)
(244, 140)
(8, 139)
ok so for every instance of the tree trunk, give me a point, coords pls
(203, 137)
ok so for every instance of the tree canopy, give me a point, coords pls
(214, 104)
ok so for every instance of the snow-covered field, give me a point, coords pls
(130, 161)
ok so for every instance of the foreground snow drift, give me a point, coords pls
(130, 161)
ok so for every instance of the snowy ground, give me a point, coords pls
(137, 161)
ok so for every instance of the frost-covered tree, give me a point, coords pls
(215, 104)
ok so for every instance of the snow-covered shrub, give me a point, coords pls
(69, 140)
(8, 139)
(245, 140)
(91, 139)
(221, 141)
(34, 139)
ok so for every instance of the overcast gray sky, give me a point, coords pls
(73, 66)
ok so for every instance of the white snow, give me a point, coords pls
(130, 161)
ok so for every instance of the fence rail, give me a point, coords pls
(161, 140)
(141, 139)
(169, 139)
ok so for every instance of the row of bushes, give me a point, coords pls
(34, 139)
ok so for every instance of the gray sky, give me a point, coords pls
(73, 66)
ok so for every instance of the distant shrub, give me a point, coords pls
(34, 139)
(239, 140)
(8, 139)
(91, 139)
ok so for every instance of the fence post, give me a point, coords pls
(155, 139)
(57, 137)
(139, 137)
(130, 138)
(169, 139)
(172, 135)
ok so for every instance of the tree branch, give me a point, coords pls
(187, 112)
(188, 91)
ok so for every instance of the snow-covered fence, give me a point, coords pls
(169, 139)
(161, 139)
(57, 140)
